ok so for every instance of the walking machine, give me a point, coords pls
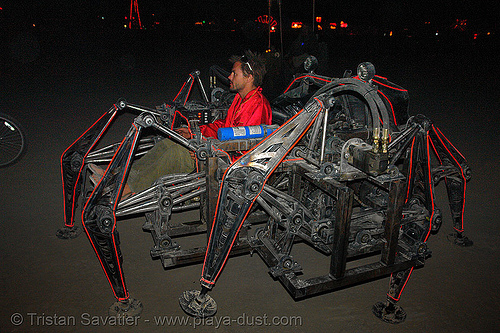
(348, 172)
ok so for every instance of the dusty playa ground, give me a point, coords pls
(48, 284)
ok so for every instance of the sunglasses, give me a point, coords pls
(244, 60)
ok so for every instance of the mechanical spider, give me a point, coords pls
(348, 172)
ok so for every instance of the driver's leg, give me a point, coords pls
(166, 157)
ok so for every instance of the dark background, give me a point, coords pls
(60, 75)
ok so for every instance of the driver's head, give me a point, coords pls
(252, 65)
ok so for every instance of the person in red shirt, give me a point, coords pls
(248, 108)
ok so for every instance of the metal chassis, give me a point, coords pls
(246, 181)
(339, 276)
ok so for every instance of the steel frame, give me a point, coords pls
(347, 193)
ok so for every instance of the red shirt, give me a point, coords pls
(254, 109)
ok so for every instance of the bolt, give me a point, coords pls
(254, 187)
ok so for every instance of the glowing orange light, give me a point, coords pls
(318, 19)
(343, 24)
(333, 25)
(296, 25)
(319, 27)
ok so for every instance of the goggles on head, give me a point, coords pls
(245, 61)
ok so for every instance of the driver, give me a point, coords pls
(248, 108)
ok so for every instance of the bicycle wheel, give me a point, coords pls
(12, 140)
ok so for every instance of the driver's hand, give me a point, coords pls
(184, 131)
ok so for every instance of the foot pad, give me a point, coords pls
(392, 314)
(197, 306)
(460, 240)
(128, 308)
(68, 232)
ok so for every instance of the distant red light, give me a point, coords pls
(135, 18)
(460, 25)
(267, 20)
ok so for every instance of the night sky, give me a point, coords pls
(366, 12)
